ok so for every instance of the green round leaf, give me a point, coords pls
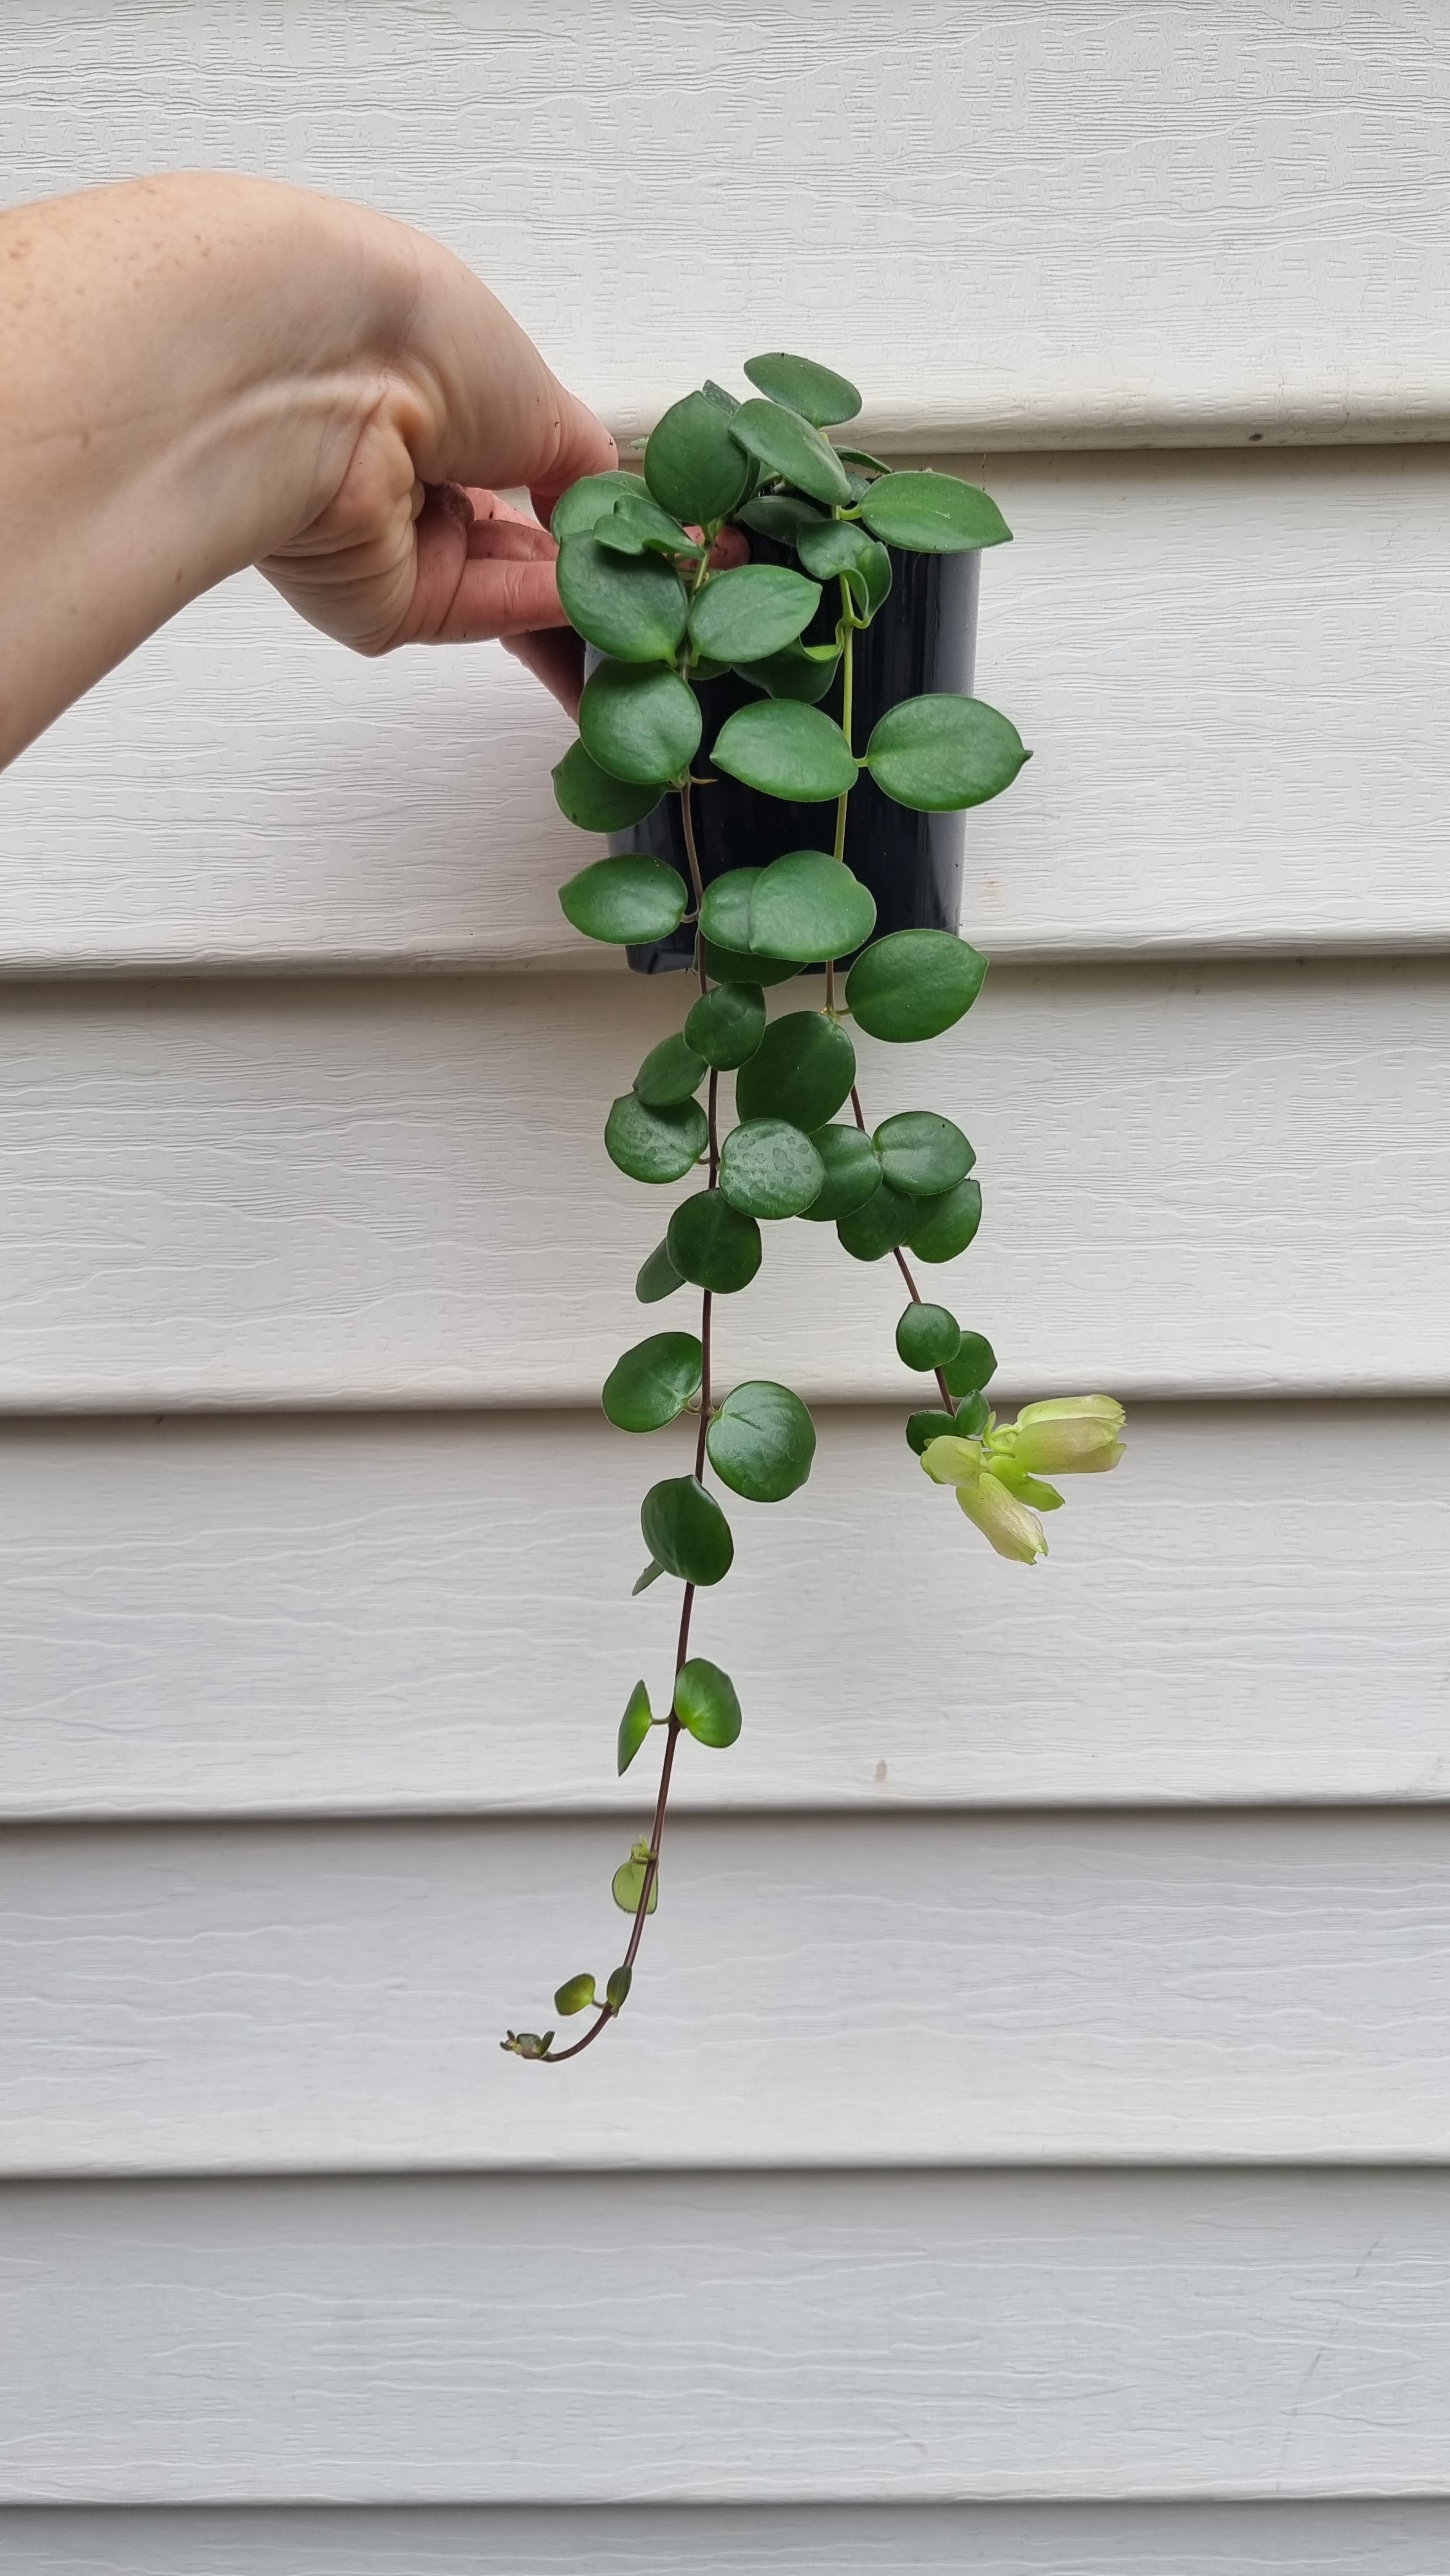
(913, 984)
(637, 525)
(769, 1168)
(706, 1704)
(658, 1278)
(725, 912)
(926, 1337)
(799, 672)
(686, 1532)
(863, 456)
(578, 511)
(801, 1071)
(639, 721)
(879, 1224)
(727, 1025)
(723, 401)
(757, 609)
(692, 465)
(655, 1144)
(923, 1428)
(627, 1885)
(787, 445)
(594, 800)
(575, 1995)
(634, 610)
(653, 1382)
(729, 966)
(810, 907)
(938, 754)
(616, 1993)
(932, 514)
(671, 1072)
(837, 547)
(780, 515)
(945, 1226)
(853, 1174)
(975, 1362)
(625, 899)
(711, 1243)
(762, 1441)
(817, 393)
(922, 1153)
(972, 1416)
(634, 1726)
(786, 749)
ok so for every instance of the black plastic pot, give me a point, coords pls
(923, 640)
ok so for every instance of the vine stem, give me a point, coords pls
(682, 1643)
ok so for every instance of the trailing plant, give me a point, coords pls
(650, 573)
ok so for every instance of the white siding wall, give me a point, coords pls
(1060, 2183)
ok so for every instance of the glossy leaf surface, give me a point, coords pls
(637, 525)
(670, 1073)
(785, 444)
(853, 1173)
(914, 984)
(634, 609)
(621, 900)
(780, 515)
(595, 800)
(809, 907)
(839, 547)
(578, 511)
(932, 514)
(640, 721)
(692, 465)
(770, 1169)
(975, 1362)
(655, 1144)
(786, 749)
(922, 1153)
(878, 1225)
(658, 1277)
(939, 754)
(817, 393)
(686, 1532)
(799, 672)
(926, 1337)
(762, 1441)
(730, 966)
(634, 1726)
(947, 1225)
(725, 912)
(705, 1703)
(757, 609)
(923, 1428)
(654, 1382)
(711, 1243)
(801, 1071)
(727, 1025)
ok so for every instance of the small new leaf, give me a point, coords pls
(634, 1726)
(575, 1995)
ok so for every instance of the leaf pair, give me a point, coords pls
(935, 754)
(804, 907)
(704, 1702)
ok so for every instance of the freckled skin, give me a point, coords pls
(200, 372)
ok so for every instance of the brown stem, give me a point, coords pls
(682, 1646)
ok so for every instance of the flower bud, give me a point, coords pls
(949, 1461)
(1069, 1435)
(1012, 1529)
